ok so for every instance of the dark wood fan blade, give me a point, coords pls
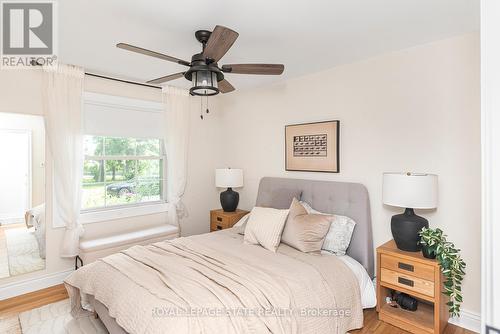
(150, 53)
(267, 69)
(166, 78)
(220, 41)
(225, 86)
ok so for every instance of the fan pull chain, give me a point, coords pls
(207, 106)
(201, 108)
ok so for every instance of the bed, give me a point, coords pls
(215, 283)
(35, 218)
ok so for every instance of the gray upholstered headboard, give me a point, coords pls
(342, 198)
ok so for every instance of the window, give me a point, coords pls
(120, 171)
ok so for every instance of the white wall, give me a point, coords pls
(411, 110)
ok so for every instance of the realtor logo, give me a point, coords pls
(27, 33)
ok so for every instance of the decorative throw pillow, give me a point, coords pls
(305, 232)
(241, 224)
(264, 227)
(339, 235)
(280, 198)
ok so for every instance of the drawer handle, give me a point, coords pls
(405, 266)
(219, 219)
(405, 281)
(219, 227)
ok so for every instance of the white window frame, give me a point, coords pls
(107, 214)
(95, 215)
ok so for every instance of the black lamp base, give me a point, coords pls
(405, 228)
(229, 200)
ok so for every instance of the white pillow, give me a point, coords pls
(264, 227)
(241, 224)
(339, 235)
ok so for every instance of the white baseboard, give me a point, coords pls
(29, 285)
(468, 320)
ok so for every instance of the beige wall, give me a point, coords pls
(412, 110)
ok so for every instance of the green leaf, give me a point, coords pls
(451, 263)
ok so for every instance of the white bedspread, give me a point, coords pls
(214, 283)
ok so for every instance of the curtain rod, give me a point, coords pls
(33, 62)
(121, 80)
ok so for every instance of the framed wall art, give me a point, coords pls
(312, 147)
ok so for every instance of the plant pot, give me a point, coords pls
(428, 253)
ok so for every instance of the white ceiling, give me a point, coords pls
(306, 36)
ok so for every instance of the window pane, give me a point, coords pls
(120, 182)
(93, 171)
(113, 181)
(148, 169)
(120, 170)
(93, 195)
(93, 186)
(120, 193)
(148, 147)
(119, 146)
(148, 191)
(93, 145)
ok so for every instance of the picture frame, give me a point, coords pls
(313, 147)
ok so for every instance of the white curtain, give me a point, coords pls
(62, 97)
(177, 115)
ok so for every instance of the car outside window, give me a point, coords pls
(121, 171)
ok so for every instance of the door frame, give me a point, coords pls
(490, 146)
(29, 192)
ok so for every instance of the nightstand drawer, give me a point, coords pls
(215, 226)
(219, 219)
(408, 282)
(408, 267)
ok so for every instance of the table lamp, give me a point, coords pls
(229, 178)
(409, 191)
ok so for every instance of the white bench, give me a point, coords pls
(91, 250)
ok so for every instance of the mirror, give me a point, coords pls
(22, 194)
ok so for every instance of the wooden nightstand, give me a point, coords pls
(420, 278)
(220, 220)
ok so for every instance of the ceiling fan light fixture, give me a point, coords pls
(206, 77)
(204, 83)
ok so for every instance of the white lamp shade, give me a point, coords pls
(229, 178)
(410, 190)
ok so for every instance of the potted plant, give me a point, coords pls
(452, 266)
(429, 239)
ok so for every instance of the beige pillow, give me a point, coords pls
(264, 227)
(303, 231)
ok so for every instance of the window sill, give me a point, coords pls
(98, 216)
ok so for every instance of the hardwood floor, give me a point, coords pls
(32, 300)
(375, 326)
(10, 308)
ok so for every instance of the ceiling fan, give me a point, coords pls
(205, 74)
